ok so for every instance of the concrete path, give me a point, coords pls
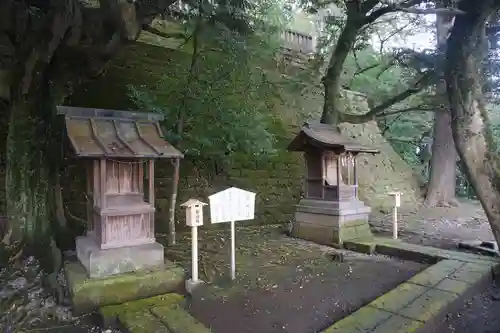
(418, 304)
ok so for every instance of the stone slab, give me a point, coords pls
(88, 294)
(102, 263)
(438, 254)
(178, 320)
(453, 286)
(164, 313)
(432, 303)
(397, 324)
(363, 320)
(399, 297)
(142, 322)
(110, 313)
(436, 273)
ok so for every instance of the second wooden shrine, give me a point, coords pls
(330, 211)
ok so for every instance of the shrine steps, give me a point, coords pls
(160, 314)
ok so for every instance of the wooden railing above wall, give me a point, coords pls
(292, 40)
(298, 42)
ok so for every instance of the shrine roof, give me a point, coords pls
(118, 134)
(326, 137)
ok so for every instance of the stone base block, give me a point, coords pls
(331, 223)
(102, 263)
(88, 294)
(191, 285)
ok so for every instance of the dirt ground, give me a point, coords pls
(476, 315)
(290, 285)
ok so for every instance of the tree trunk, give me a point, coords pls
(470, 124)
(332, 79)
(30, 170)
(173, 202)
(442, 176)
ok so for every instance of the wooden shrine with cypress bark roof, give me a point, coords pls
(330, 211)
(120, 149)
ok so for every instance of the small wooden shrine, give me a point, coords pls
(120, 148)
(330, 211)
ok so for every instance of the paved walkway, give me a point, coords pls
(416, 305)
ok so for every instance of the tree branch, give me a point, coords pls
(154, 31)
(378, 111)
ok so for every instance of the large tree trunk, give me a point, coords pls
(442, 175)
(30, 171)
(332, 79)
(470, 124)
(46, 48)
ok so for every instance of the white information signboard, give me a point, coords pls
(232, 205)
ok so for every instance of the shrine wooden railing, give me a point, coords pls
(293, 41)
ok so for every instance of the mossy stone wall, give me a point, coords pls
(277, 182)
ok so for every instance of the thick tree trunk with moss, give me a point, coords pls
(46, 49)
(30, 171)
(470, 124)
(442, 175)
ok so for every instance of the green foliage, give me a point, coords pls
(380, 78)
(218, 101)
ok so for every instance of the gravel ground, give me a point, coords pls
(26, 305)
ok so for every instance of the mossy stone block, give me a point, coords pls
(399, 297)
(111, 312)
(361, 321)
(436, 273)
(453, 286)
(401, 251)
(469, 276)
(88, 294)
(360, 246)
(179, 320)
(357, 229)
(398, 324)
(142, 322)
(429, 305)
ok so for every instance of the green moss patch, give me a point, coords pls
(88, 294)
(164, 313)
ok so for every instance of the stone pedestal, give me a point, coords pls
(331, 223)
(103, 263)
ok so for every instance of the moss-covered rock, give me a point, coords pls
(88, 294)
(153, 315)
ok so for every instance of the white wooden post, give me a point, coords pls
(194, 219)
(233, 251)
(397, 203)
(194, 253)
